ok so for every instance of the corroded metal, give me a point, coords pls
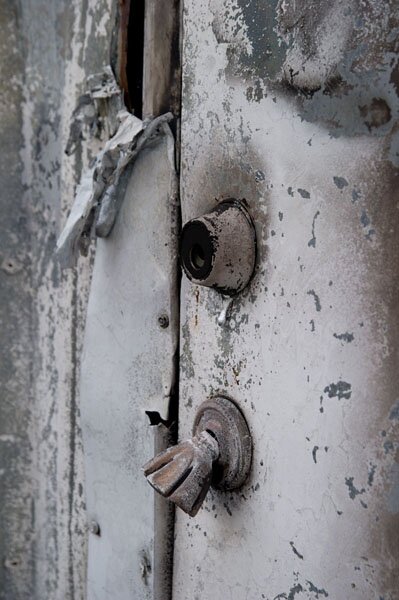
(183, 473)
(225, 420)
(218, 250)
(218, 454)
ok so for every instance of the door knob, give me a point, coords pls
(218, 454)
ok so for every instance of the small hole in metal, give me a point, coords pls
(197, 256)
(211, 433)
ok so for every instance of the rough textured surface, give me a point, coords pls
(306, 132)
(183, 473)
(48, 47)
(292, 105)
(219, 453)
(128, 369)
(218, 250)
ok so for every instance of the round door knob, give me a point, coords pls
(218, 454)
(218, 250)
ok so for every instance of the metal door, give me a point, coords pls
(290, 109)
(293, 107)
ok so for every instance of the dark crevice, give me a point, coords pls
(135, 57)
(211, 433)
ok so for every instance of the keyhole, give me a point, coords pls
(197, 256)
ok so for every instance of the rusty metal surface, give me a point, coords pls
(224, 420)
(122, 43)
(183, 473)
(293, 106)
(219, 453)
(161, 61)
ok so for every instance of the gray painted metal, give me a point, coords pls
(293, 106)
(128, 368)
(48, 48)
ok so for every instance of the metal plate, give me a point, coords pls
(128, 368)
(310, 349)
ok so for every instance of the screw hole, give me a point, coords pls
(163, 321)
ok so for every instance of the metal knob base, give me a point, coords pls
(218, 454)
(218, 250)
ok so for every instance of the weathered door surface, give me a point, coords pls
(293, 107)
(127, 370)
(289, 109)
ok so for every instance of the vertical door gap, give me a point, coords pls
(135, 57)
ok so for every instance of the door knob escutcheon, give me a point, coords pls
(218, 454)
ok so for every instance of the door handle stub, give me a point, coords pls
(218, 454)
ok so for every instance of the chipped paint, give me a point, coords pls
(48, 51)
(293, 106)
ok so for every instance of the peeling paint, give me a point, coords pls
(296, 132)
(353, 491)
(339, 390)
(345, 337)
(316, 299)
(340, 182)
(44, 65)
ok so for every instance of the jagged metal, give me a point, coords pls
(98, 194)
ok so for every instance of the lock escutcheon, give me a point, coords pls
(218, 250)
